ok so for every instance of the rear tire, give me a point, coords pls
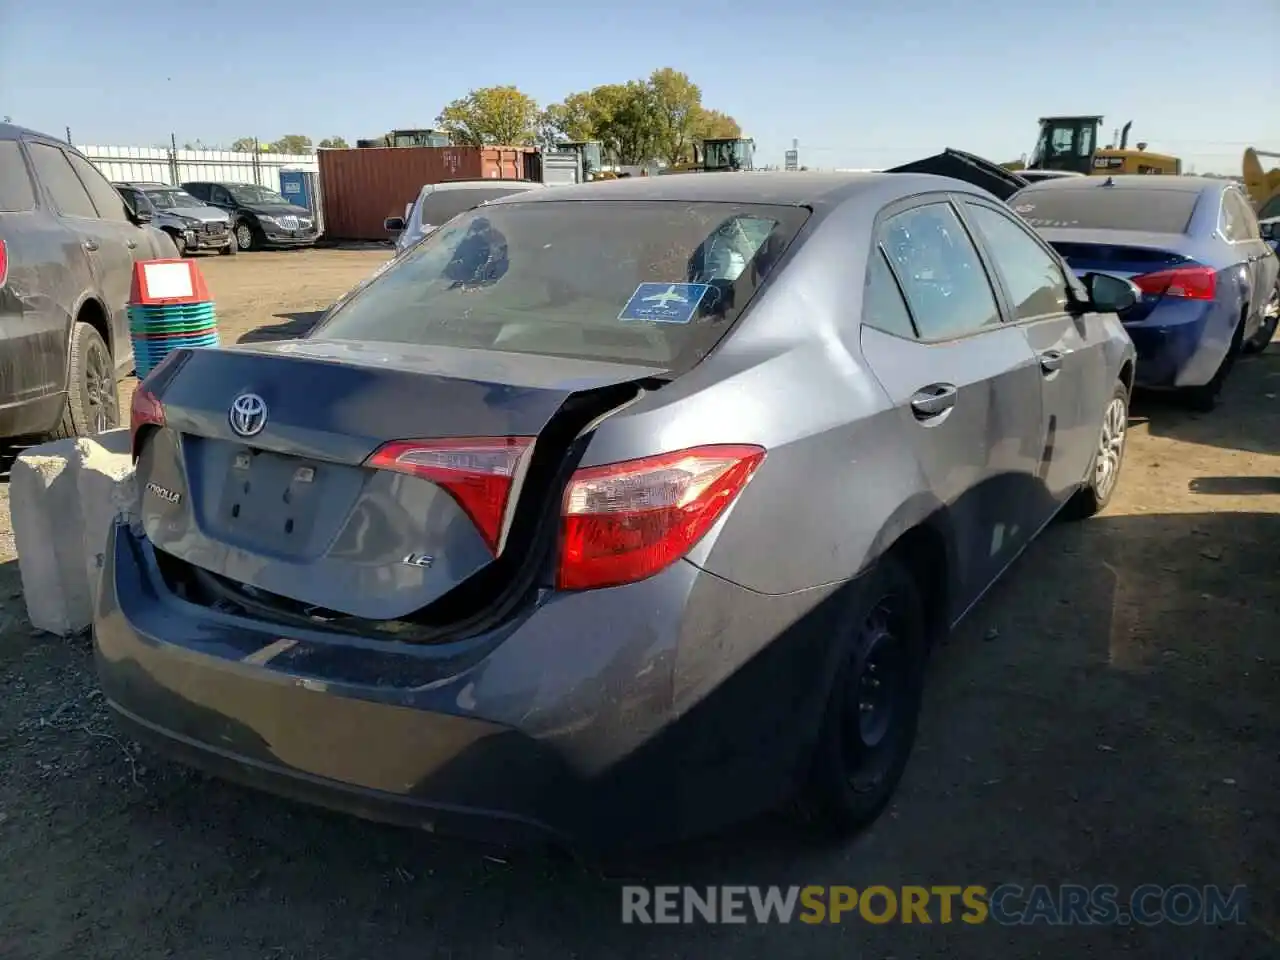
(1108, 457)
(93, 399)
(870, 722)
(1270, 317)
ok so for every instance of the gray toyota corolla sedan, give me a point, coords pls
(612, 512)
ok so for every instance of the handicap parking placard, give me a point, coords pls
(664, 302)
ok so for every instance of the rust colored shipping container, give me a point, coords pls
(363, 186)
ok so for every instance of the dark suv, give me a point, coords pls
(68, 243)
(260, 217)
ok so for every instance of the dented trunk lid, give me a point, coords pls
(293, 510)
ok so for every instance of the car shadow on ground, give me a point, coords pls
(295, 325)
(1106, 715)
(1247, 417)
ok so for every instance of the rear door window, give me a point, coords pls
(16, 192)
(1244, 222)
(68, 194)
(940, 272)
(656, 283)
(109, 203)
(882, 305)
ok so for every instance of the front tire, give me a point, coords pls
(1108, 457)
(874, 707)
(93, 400)
(246, 238)
(180, 243)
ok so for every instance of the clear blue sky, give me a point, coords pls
(858, 84)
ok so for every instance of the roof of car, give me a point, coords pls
(11, 131)
(143, 185)
(480, 183)
(1131, 181)
(787, 188)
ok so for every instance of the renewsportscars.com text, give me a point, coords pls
(1007, 905)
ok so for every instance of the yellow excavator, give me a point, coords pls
(717, 155)
(1070, 145)
(1263, 185)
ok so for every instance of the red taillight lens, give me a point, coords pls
(143, 411)
(4, 264)
(1190, 283)
(478, 472)
(623, 522)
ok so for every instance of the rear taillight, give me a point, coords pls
(478, 472)
(1190, 283)
(145, 410)
(4, 263)
(623, 522)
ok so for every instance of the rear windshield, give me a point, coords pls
(655, 283)
(1150, 210)
(441, 206)
(16, 192)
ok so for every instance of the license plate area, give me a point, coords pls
(271, 501)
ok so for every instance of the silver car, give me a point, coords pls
(612, 513)
(193, 224)
(437, 203)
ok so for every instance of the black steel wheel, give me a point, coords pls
(874, 706)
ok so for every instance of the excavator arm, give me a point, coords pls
(1263, 185)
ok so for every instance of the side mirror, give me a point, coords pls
(1110, 294)
(142, 216)
(393, 224)
(1270, 229)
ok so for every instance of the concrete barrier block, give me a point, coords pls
(105, 480)
(44, 504)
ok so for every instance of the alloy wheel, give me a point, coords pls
(1115, 423)
(244, 236)
(100, 389)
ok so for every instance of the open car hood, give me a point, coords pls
(967, 167)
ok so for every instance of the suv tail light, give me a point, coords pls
(1190, 283)
(4, 263)
(478, 472)
(624, 522)
(145, 410)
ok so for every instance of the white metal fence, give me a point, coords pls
(160, 165)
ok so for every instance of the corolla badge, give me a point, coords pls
(248, 414)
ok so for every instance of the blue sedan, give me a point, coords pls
(1192, 246)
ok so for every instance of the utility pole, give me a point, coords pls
(69, 136)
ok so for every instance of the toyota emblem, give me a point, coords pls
(248, 414)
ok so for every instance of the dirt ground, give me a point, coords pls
(1109, 714)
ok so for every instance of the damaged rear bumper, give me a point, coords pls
(600, 719)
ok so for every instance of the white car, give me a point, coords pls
(438, 203)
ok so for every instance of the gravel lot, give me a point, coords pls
(1109, 714)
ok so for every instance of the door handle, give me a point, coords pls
(90, 245)
(933, 400)
(1051, 361)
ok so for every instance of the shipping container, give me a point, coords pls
(361, 187)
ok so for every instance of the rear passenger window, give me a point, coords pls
(109, 203)
(1036, 284)
(65, 189)
(16, 193)
(882, 303)
(1243, 218)
(935, 261)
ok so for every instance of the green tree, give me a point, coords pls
(294, 143)
(572, 119)
(333, 143)
(676, 104)
(492, 115)
(712, 124)
(625, 121)
(243, 145)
